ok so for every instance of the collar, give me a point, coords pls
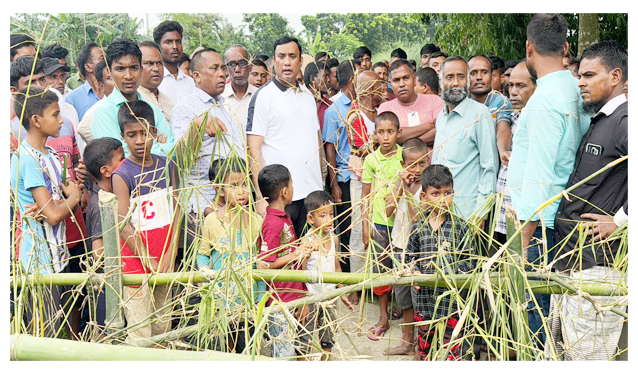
(381, 157)
(554, 75)
(180, 74)
(87, 87)
(205, 97)
(145, 91)
(228, 91)
(460, 108)
(116, 97)
(275, 212)
(344, 100)
(613, 104)
(283, 86)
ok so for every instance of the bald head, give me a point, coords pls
(236, 58)
(366, 80)
(521, 86)
(235, 51)
(199, 57)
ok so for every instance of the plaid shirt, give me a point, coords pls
(501, 185)
(447, 248)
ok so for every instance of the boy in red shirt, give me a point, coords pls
(278, 252)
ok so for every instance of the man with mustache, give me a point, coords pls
(416, 113)
(465, 140)
(176, 84)
(238, 93)
(152, 76)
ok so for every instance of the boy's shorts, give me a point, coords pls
(381, 244)
(403, 296)
(319, 318)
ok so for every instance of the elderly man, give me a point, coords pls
(465, 141)
(238, 93)
(176, 84)
(202, 115)
(602, 203)
(152, 76)
(283, 128)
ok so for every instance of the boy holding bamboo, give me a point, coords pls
(147, 182)
(439, 240)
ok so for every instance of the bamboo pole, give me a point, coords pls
(28, 348)
(542, 287)
(112, 260)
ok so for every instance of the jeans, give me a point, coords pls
(281, 335)
(535, 257)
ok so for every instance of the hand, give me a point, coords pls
(366, 234)
(417, 287)
(407, 179)
(161, 138)
(505, 157)
(260, 207)
(152, 265)
(213, 125)
(346, 301)
(71, 189)
(336, 193)
(166, 266)
(263, 264)
(80, 172)
(32, 210)
(302, 314)
(84, 199)
(604, 226)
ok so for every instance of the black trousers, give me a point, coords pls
(342, 226)
(297, 212)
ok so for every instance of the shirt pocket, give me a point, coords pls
(452, 148)
(591, 161)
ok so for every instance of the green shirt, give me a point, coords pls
(382, 172)
(74, 81)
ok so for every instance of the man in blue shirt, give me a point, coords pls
(337, 148)
(85, 96)
(547, 137)
(124, 59)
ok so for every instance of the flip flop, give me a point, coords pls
(377, 332)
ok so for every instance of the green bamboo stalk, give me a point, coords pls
(28, 348)
(112, 260)
(542, 287)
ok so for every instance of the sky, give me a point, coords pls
(294, 19)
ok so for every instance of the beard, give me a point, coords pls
(454, 95)
(593, 107)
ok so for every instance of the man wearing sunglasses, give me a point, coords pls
(238, 93)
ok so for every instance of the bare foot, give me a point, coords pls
(354, 298)
(403, 349)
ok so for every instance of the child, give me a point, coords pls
(323, 259)
(401, 205)
(229, 235)
(380, 172)
(148, 240)
(37, 177)
(277, 251)
(102, 156)
(439, 240)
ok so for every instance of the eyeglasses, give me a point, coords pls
(242, 64)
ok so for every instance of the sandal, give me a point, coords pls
(377, 332)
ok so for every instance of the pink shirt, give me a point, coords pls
(423, 111)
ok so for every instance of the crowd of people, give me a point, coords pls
(295, 162)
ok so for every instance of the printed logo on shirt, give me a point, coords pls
(413, 119)
(594, 149)
(287, 234)
(153, 210)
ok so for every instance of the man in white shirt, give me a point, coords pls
(283, 128)
(239, 92)
(176, 84)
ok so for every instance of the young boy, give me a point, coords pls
(380, 172)
(148, 240)
(438, 240)
(401, 205)
(277, 251)
(37, 177)
(102, 157)
(321, 240)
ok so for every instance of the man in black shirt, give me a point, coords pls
(598, 207)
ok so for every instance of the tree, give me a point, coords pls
(588, 30)
(211, 30)
(74, 30)
(265, 29)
